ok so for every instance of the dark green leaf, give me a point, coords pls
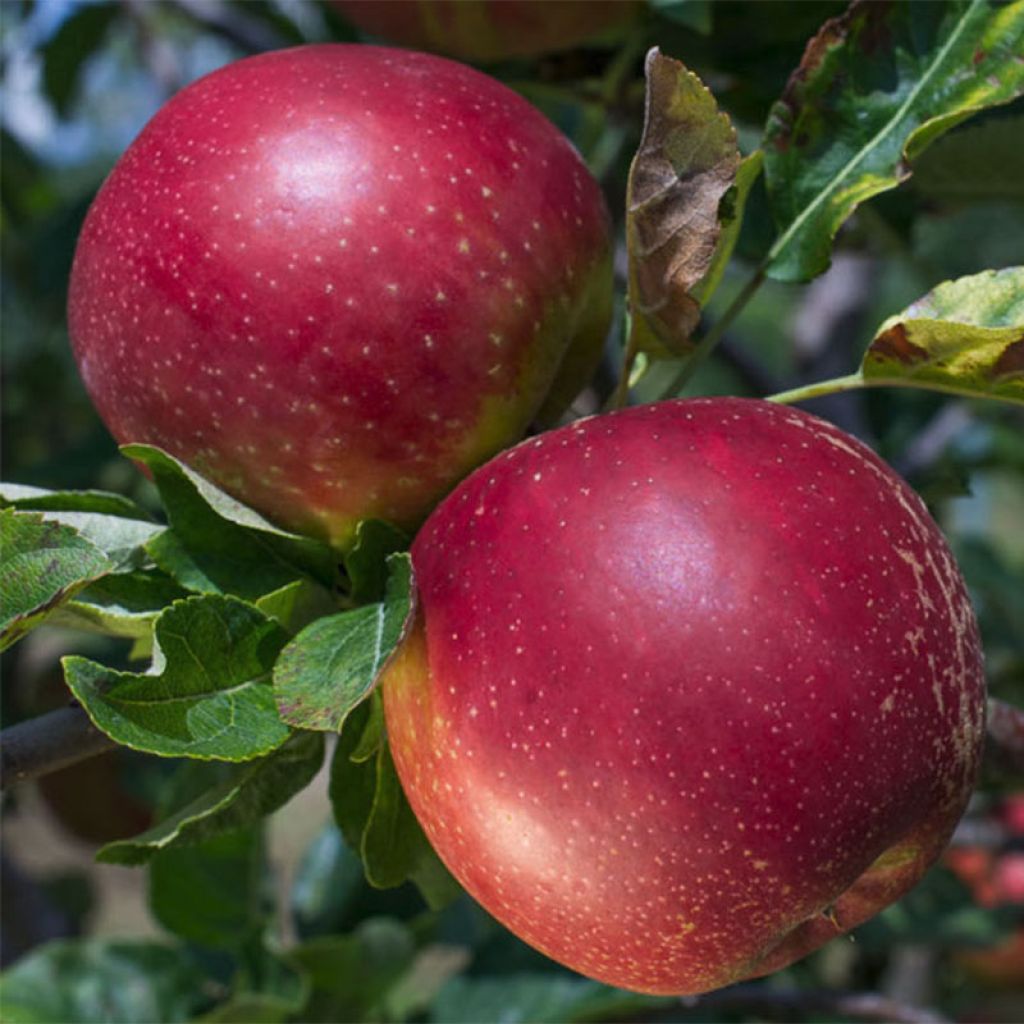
(66, 52)
(366, 563)
(394, 848)
(875, 87)
(352, 784)
(249, 793)
(686, 162)
(536, 999)
(695, 14)
(211, 893)
(327, 880)
(981, 162)
(965, 336)
(42, 564)
(217, 545)
(95, 981)
(211, 696)
(333, 664)
(351, 974)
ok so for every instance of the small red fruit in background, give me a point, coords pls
(489, 30)
(692, 689)
(336, 278)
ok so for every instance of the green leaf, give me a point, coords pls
(375, 819)
(333, 664)
(965, 336)
(114, 524)
(536, 999)
(96, 981)
(266, 991)
(394, 848)
(122, 604)
(65, 53)
(352, 784)
(42, 564)
(686, 162)
(327, 881)
(217, 545)
(211, 893)
(297, 604)
(730, 216)
(977, 163)
(211, 697)
(694, 14)
(37, 499)
(874, 88)
(249, 793)
(366, 564)
(351, 974)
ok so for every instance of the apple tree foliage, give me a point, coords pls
(747, 152)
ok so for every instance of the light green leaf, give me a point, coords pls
(37, 499)
(249, 793)
(210, 698)
(122, 604)
(42, 564)
(965, 336)
(875, 87)
(686, 162)
(97, 981)
(334, 663)
(730, 216)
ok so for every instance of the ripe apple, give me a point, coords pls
(691, 689)
(336, 278)
(488, 30)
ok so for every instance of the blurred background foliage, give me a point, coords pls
(205, 933)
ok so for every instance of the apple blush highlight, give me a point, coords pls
(691, 689)
(336, 278)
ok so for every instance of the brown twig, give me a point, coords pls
(48, 743)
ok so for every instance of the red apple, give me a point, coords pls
(336, 278)
(488, 30)
(691, 689)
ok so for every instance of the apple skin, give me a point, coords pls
(691, 689)
(334, 279)
(488, 30)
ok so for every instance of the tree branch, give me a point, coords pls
(48, 743)
(793, 1004)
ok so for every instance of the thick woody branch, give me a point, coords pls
(48, 743)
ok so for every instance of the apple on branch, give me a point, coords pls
(336, 278)
(691, 689)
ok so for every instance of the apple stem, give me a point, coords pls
(715, 333)
(833, 386)
(619, 396)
